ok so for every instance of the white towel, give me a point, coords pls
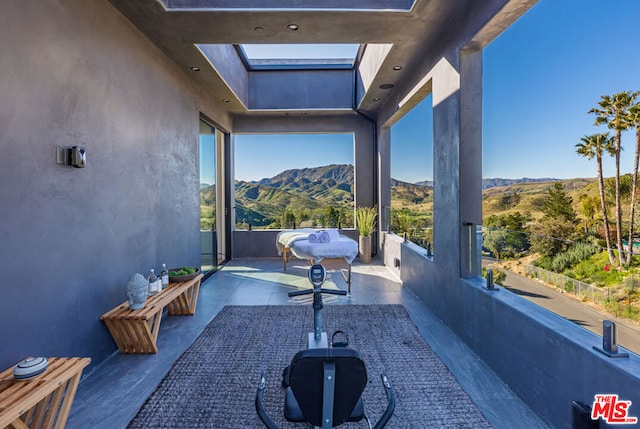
(329, 235)
(314, 237)
(334, 234)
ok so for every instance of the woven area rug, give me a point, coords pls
(213, 384)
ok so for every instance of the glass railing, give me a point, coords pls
(414, 226)
(573, 280)
(326, 217)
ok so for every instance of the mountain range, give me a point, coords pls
(262, 202)
(492, 183)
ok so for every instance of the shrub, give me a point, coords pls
(576, 253)
(613, 306)
(498, 276)
(366, 220)
(592, 271)
(568, 286)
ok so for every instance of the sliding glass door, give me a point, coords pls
(208, 198)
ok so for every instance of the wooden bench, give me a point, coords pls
(136, 331)
(43, 401)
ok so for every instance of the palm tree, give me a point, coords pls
(613, 113)
(634, 121)
(594, 146)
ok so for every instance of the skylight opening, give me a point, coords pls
(360, 5)
(279, 56)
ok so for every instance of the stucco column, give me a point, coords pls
(384, 178)
(470, 161)
(457, 141)
(365, 165)
(366, 171)
(446, 168)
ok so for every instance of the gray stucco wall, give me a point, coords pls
(261, 243)
(547, 360)
(301, 89)
(77, 73)
(391, 245)
(227, 64)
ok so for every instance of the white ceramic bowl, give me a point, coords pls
(30, 367)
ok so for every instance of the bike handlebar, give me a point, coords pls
(300, 292)
(322, 290)
(334, 291)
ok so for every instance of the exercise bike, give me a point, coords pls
(324, 384)
(317, 276)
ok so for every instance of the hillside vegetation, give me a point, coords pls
(319, 196)
(557, 226)
(263, 203)
(304, 192)
(514, 211)
(527, 198)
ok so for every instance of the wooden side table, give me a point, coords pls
(136, 331)
(43, 401)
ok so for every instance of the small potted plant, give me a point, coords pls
(365, 223)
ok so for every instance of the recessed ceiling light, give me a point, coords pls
(396, 68)
(386, 86)
(259, 29)
(376, 99)
(292, 27)
(225, 100)
(195, 68)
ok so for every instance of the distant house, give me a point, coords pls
(636, 245)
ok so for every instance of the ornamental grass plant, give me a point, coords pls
(366, 220)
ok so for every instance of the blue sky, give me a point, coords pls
(339, 51)
(540, 78)
(260, 156)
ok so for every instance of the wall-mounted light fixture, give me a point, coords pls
(75, 156)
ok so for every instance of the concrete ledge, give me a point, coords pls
(545, 359)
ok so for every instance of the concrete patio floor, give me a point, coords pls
(110, 395)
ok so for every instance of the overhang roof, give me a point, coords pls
(407, 34)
